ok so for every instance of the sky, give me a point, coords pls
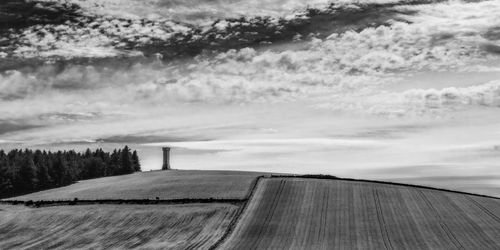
(405, 91)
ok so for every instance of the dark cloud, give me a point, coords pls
(8, 126)
(493, 33)
(15, 14)
(492, 48)
(174, 39)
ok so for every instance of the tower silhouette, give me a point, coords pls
(166, 158)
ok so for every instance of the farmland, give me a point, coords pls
(173, 184)
(273, 212)
(192, 226)
(296, 213)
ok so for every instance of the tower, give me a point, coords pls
(166, 158)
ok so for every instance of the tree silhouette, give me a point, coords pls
(26, 178)
(126, 161)
(135, 161)
(28, 171)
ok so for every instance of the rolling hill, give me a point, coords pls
(295, 213)
(173, 184)
(245, 210)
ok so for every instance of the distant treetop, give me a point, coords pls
(24, 171)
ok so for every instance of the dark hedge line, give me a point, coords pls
(45, 203)
(25, 171)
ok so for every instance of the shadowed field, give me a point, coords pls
(294, 213)
(174, 184)
(114, 226)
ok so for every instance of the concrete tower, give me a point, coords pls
(166, 158)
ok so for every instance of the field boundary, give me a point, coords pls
(76, 201)
(331, 177)
(239, 213)
(242, 203)
(251, 193)
(50, 203)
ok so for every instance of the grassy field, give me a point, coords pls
(173, 184)
(114, 226)
(282, 213)
(295, 213)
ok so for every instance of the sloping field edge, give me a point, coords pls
(241, 203)
(76, 201)
(331, 177)
(241, 210)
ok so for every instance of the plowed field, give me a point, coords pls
(295, 213)
(114, 226)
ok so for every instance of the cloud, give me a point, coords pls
(346, 72)
(13, 126)
(418, 102)
(193, 11)
(487, 95)
(351, 61)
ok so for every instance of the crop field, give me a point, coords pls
(191, 226)
(295, 213)
(172, 184)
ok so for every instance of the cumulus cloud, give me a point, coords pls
(487, 94)
(97, 37)
(341, 63)
(345, 72)
(193, 11)
(418, 102)
(434, 35)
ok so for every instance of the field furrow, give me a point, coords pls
(284, 233)
(364, 215)
(467, 232)
(303, 209)
(381, 221)
(484, 209)
(305, 213)
(193, 226)
(472, 209)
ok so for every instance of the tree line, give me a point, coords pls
(24, 171)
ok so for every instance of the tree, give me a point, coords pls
(43, 177)
(95, 167)
(27, 172)
(5, 178)
(135, 161)
(114, 163)
(126, 161)
(60, 169)
(42, 169)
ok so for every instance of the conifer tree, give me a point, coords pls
(135, 161)
(27, 172)
(126, 161)
(5, 180)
